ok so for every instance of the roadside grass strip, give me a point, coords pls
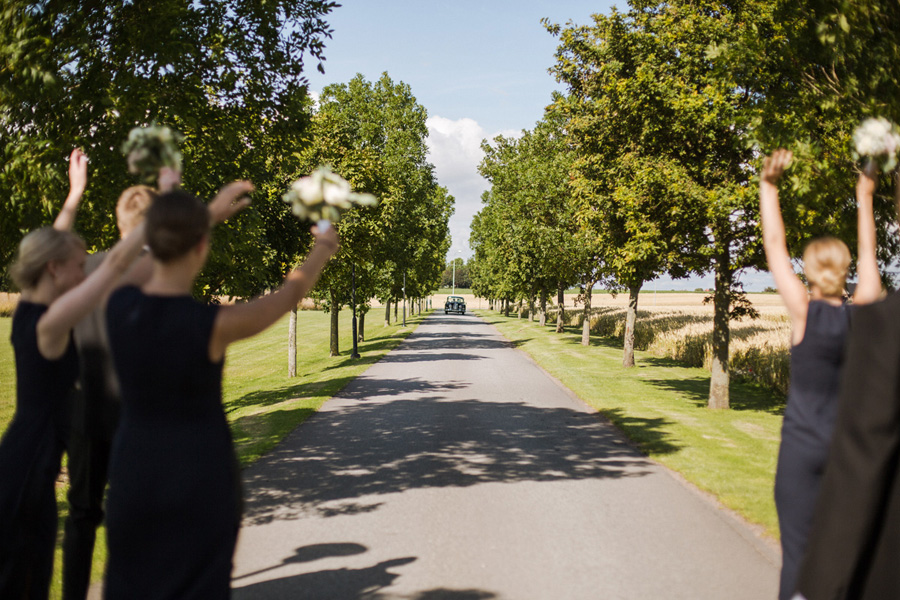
(660, 405)
(262, 403)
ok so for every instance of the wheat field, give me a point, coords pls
(679, 326)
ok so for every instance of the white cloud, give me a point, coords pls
(454, 148)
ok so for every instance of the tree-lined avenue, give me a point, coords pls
(456, 468)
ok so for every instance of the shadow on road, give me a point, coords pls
(312, 553)
(339, 584)
(429, 442)
(334, 584)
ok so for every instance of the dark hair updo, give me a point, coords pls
(175, 223)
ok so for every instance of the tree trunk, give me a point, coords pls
(520, 308)
(719, 379)
(396, 305)
(560, 301)
(586, 326)
(362, 328)
(531, 304)
(335, 351)
(630, 318)
(292, 343)
(387, 313)
(543, 306)
(506, 308)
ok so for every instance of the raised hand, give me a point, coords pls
(327, 239)
(77, 184)
(868, 181)
(77, 171)
(230, 200)
(169, 179)
(775, 165)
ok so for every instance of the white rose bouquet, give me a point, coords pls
(322, 196)
(877, 139)
(148, 149)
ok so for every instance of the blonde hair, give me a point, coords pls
(39, 248)
(132, 205)
(825, 262)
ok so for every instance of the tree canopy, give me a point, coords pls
(228, 75)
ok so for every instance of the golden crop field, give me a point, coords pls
(679, 326)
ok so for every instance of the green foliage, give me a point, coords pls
(462, 274)
(523, 237)
(373, 134)
(813, 71)
(227, 75)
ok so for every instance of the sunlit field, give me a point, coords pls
(679, 326)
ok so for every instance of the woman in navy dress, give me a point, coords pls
(173, 509)
(820, 322)
(49, 271)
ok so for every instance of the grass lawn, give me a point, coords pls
(263, 404)
(661, 407)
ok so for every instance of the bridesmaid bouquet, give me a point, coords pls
(877, 139)
(322, 197)
(149, 149)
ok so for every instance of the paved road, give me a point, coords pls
(455, 469)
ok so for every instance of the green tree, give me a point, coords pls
(530, 205)
(671, 108)
(373, 134)
(228, 75)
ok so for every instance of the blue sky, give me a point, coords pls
(480, 68)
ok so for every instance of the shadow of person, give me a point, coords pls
(312, 553)
(333, 584)
(445, 594)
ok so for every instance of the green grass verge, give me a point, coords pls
(262, 403)
(661, 406)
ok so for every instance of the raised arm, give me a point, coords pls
(868, 289)
(77, 183)
(245, 320)
(230, 200)
(54, 327)
(793, 292)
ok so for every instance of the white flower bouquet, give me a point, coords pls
(322, 196)
(877, 139)
(148, 149)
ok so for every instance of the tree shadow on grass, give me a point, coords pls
(308, 389)
(651, 435)
(743, 396)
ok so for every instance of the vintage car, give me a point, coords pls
(455, 304)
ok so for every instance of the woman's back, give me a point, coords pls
(816, 365)
(173, 500)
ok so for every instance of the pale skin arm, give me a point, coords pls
(245, 320)
(869, 288)
(791, 289)
(77, 184)
(65, 312)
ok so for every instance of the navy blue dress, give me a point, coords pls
(816, 365)
(173, 509)
(30, 454)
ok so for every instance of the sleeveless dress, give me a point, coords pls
(173, 508)
(30, 454)
(816, 365)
